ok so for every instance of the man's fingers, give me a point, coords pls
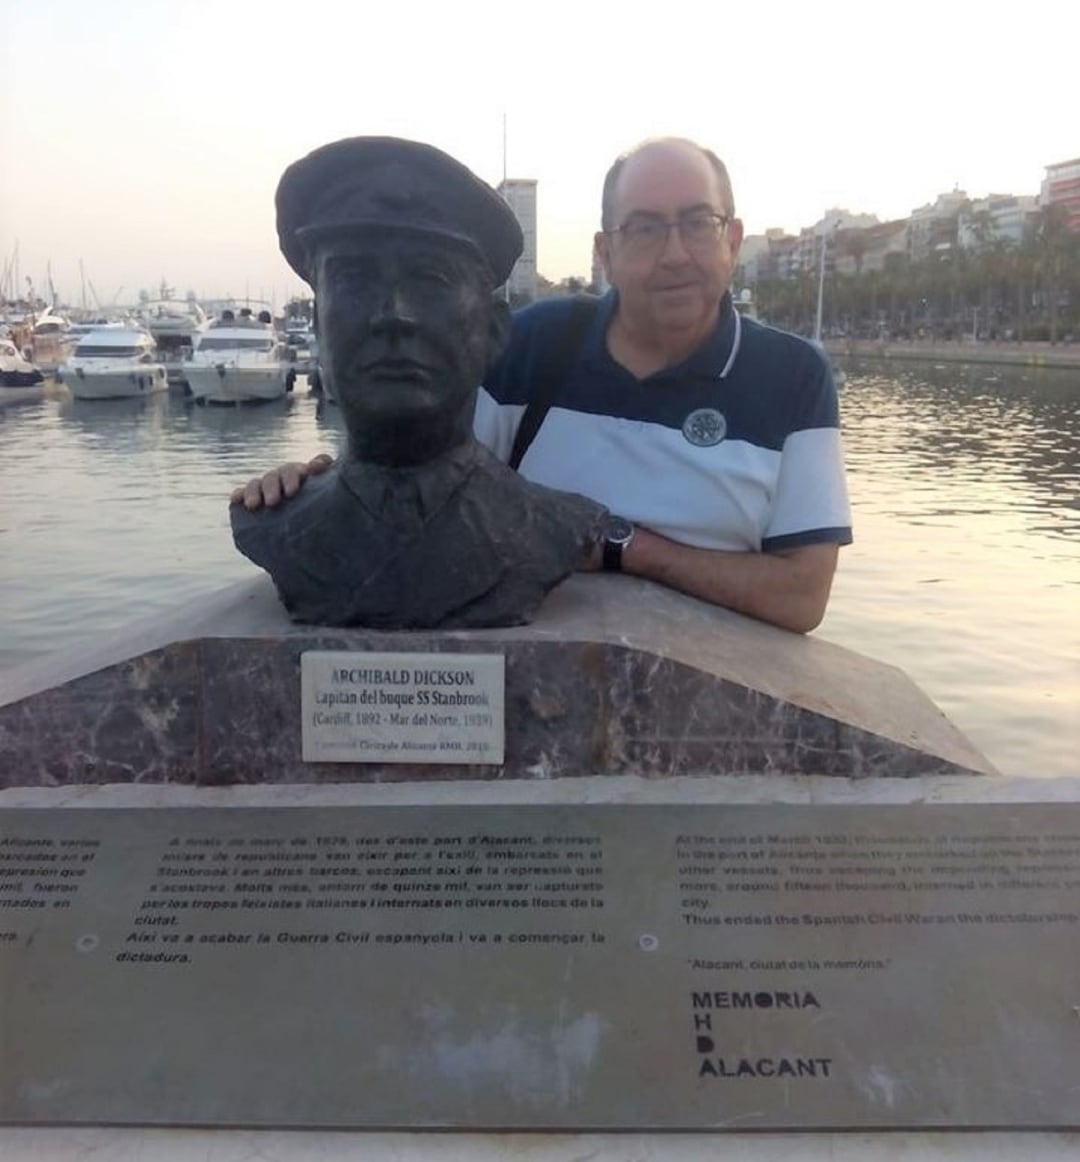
(271, 487)
(288, 478)
(279, 483)
(253, 494)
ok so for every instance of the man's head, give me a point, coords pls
(404, 248)
(670, 239)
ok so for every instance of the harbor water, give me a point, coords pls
(965, 571)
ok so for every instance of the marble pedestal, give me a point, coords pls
(615, 676)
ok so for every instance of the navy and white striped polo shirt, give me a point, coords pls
(738, 447)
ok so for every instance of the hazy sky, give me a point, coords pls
(146, 137)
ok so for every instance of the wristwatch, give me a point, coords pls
(618, 533)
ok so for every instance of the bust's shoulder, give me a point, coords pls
(317, 500)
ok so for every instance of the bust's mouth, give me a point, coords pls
(396, 368)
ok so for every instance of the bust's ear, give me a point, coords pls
(499, 326)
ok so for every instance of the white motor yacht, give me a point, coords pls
(174, 323)
(49, 340)
(117, 361)
(239, 358)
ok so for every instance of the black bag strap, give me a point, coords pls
(547, 383)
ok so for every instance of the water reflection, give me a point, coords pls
(967, 442)
(116, 424)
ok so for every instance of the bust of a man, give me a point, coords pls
(417, 525)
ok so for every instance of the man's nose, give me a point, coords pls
(674, 250)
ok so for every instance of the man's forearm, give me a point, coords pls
(789, 589)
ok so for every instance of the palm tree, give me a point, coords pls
(1051, 240)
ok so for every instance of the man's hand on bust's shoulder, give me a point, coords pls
(279, 483)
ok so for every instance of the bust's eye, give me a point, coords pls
(432, 276)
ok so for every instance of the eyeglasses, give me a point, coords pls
(698, 229)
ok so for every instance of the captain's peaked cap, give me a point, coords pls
(365, 182)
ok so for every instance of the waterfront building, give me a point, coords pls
(827, 232)
(520, 195)
(995, 218)
(766, 256)
(783, 254)
(754, 257)
(1061, 187)
(932, 228)
(866, 248)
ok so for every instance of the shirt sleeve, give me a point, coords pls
(811, 503)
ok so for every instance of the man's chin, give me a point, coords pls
(680, 307)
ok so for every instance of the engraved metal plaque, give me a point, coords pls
(629, 967)
(402, 708)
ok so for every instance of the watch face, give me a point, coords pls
(618, 531)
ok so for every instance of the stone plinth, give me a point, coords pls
(615, 676)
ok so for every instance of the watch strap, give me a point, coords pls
(613, 556)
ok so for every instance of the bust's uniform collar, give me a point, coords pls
(397, 494)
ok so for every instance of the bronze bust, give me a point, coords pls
(417, 525)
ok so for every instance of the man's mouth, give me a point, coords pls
(669, 287)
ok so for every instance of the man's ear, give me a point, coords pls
(499, 326)
(735, 237)
(602, 251)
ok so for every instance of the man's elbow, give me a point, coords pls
(807, 620)
(799, 618)
(807, 595)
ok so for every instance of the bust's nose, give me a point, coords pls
(394, 308)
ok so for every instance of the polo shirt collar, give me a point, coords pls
(713, 359)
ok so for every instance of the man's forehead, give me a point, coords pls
(664, 176)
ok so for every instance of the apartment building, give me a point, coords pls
(1061, 187)
(996, 218)
(520, 195)
(933, 227)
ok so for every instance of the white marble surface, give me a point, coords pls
(68, 1144)
(594, 789)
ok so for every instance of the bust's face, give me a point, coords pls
(405, 333)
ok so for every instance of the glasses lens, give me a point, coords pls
(701, 229)
(643, 234)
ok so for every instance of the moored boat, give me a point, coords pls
(15, 371)
(20, 380)
(117, 361)
(174, 324)
(239, 358)
(50, 340)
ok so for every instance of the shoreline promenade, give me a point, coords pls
(1059, 355)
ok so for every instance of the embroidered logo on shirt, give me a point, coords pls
(704, 427)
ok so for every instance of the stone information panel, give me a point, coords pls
(402, 708)
(630, 967)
